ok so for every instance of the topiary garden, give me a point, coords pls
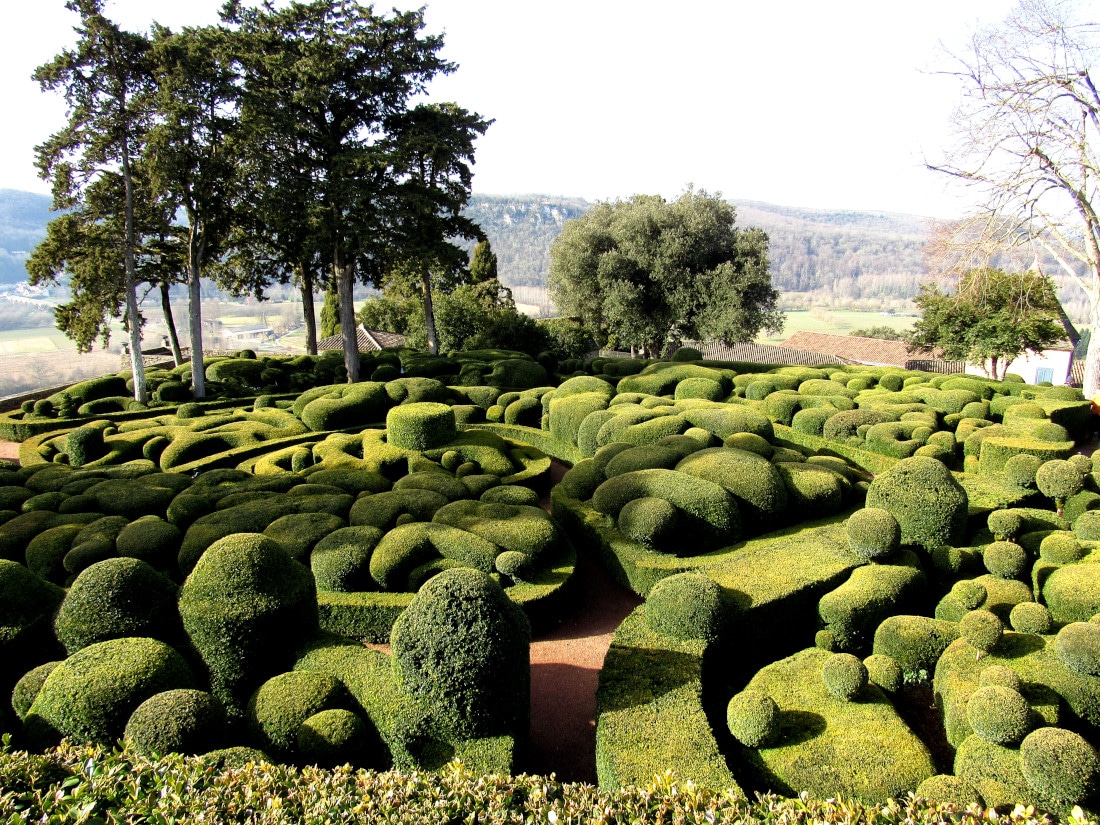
(824, 552)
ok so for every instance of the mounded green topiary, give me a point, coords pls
(510, 494)
(927, 501)
(284, 702)
(1078, 647)
(652, 522)
(1006, 560)
(982, 630)
(420, 426)
(970, 594)
(1001, 676)
(1087, 526)
(116, 598)
(688, 606)
(298, 533)
(337, 736)
(1005, 525)
(915, 642)
(844, 675)
(753, 718)
(28, 686)
(383, 509)
(1060, 765)
(152, 540)
(1072, 593)
(1058, 480)
(998, 714)
(1061, 547)
(873, 533)
(92, 694)
(245, 588)
(460, 649)
(176, 721)
(757, 484)
(1031, 617)
(341, 560)
(885, 672)
(948, 789)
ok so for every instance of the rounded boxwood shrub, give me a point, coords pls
(704, 388)
(1006, 559)
(812, 491)
(757, 484)
(948, 789)
(1005, 525)
(1061, 547)
(753, 718)
(1077, 646)
(284, 702)
(1001, 676)
(27, 688)
(92, 694)
(1087, 526)
(687, 606)
(1030, 617)
(1022, 468)
(460, 650)
(686, 354)
(152, 540)
(247, 589)
(115, 598)
(299, 532)
(998, 714)
(650, 521)
(1072, 593)
(929, 504)
(844, 675)
(1058, 480)
(337, 736)
(1059, 765)
(969, 593)
(176, 721)
(510, 494)
(423, 425)
(982, 630)
(885, 672)
(873, 533)
(341, 560)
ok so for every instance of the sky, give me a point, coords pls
(796, 102)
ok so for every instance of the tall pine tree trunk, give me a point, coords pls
(195, 247)
(133, 316)
(306, 280)
(170, 322)
(429, 311)
(344, 273)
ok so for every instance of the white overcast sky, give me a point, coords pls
(794, 102)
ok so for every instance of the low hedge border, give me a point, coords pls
(645, 676)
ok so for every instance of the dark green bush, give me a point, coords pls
(28, 686)
(873, 533)
(843, 425)
(644, 457)
(341, 560)
(420, 426)
(92, 694)
(844, 675)
(176, 721)
(998, 714)
(383, 509)
(704, 388)
(245, 588)
(443, 483)
(946, 789)
(652, 522)
(915, 642)
(1078, 647)
(929, 504)
(510, 494)
(757, 484)
(1087, 526)
(753, 718)
(116, 598)
(812, 492)
(1030, 617)
(299, 532)
(1059, 765)
(1058, 480)
(982, 630)
(408, 546)
(1006, 560)
(460, 649)
(282, 703)
(853, 610)
(336, 737)
(1072, 593)
(686, 354)
(152, 540)
(1005, 525)
(688, 606)
(252, 515)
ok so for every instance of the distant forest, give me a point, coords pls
(830, 258)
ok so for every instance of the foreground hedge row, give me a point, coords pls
(83, 784)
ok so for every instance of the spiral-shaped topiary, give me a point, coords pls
(1059, 765)
(1030, 617)
(1006, 559)
(753, 718)
(688, 606)
(844, 675)
(982, 630)
(998, 714)
(1078, 647)
(873, 533)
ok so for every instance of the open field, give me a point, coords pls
(839, 322)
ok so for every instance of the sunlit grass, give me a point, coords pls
(838, 322)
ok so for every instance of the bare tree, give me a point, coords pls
(1027, 138)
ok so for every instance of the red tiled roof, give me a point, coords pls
(871, 351)
(369, 340)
